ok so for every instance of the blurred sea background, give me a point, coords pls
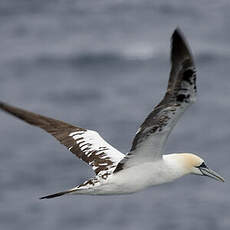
(103, 65)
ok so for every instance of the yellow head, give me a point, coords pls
(191, 163)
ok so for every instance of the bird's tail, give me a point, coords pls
(59, 194)
(86, 188)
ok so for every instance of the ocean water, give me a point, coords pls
(103, 65)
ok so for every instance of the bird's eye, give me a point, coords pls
(203, 165)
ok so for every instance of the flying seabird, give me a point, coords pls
(144, 165)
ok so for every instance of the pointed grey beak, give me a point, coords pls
(210, 173)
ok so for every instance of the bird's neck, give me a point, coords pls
(176, 164)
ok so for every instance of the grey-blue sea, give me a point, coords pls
(103, 65)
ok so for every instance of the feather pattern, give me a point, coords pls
(152, 135)
(86, 144)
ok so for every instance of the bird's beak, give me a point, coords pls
(210, 173)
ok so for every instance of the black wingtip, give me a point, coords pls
(177, 33)
(2, 104)
(179, 46)
(178, 38)
(4, 107)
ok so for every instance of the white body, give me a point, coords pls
(138, 177)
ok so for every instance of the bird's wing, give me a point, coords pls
(86, 144)
(181, 92)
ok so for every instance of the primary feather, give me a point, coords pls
(152, 135)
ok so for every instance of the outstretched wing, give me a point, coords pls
(181, 92)
(86, 144)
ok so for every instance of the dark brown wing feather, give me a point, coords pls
(181, 92)
(182, 71)
(85, 144)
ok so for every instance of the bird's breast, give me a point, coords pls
(141, 176)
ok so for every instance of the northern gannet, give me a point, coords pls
(144, 165)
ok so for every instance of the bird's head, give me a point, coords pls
(191, 163)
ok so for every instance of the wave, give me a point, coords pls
(92, 58)
(114, 58)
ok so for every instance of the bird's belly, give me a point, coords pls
(136, 178)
